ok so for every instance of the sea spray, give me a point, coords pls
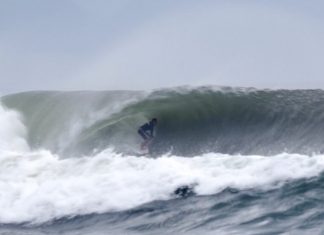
(12, 131)
(38, 186)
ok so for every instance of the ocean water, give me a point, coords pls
(224, 161)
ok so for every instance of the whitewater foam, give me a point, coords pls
(39, 186)
(12, 131)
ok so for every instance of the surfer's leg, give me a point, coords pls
(145, 137)
(145, 144)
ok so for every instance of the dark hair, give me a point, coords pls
(154, 120)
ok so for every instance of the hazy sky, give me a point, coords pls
(144, 44)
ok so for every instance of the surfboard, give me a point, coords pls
(137, 153)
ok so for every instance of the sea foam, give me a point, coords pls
(38, 186)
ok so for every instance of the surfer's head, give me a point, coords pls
(154, 121)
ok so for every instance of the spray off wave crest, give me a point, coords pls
(41, 181)
(13, 132)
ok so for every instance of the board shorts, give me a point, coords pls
(144, 134)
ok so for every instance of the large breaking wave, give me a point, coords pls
(191, 121)
(65, 154)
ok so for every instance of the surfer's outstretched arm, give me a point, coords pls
(152, 133)
(153, 123)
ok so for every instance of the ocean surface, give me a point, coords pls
(224, 161)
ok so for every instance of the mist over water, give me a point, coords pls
(13, 132)
(225, 160)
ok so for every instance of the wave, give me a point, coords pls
(60, 121)
(67, 154)
(192, 121)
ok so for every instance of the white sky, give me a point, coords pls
(145, 44)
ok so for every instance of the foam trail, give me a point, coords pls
(12, 131)
(39, 186)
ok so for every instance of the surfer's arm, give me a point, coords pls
(151, 133)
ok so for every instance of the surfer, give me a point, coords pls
(147, 131)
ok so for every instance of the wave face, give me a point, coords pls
(74, 122)
(224, 160)
(191, 121)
